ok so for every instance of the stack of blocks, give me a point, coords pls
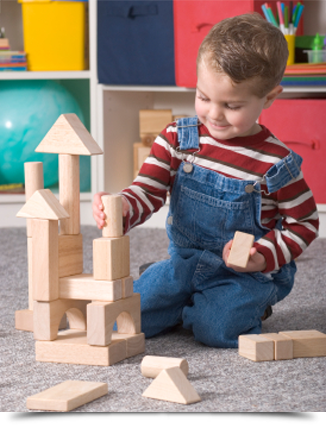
(151, 123)
(283, 345)
(57, 285)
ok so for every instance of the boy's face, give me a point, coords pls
(228, 110)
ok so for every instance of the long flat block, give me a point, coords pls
(307, 343)
(67, 396)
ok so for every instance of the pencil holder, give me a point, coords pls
(291, 46)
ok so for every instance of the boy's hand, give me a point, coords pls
(98, 212)
(256, 263)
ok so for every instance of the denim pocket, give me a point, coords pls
(208, 219)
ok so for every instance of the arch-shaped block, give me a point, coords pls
(48, 315)
(101, 317)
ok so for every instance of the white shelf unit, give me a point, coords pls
(118, 128)
(11, 19)
(114, 117)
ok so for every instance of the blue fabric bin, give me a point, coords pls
(136, 42)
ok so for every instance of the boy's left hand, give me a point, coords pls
(256, 263)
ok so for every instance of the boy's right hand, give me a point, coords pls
(98, 212)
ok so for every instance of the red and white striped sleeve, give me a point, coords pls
(296, 206)
(148, 192)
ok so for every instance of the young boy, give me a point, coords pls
(225, 172)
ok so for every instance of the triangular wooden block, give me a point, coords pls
(68, 135)
(172, 385)
(43, 205)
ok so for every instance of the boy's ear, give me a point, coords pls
(272, 95)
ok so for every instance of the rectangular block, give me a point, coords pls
(307, 343)
(70, 255)
(283, 346)
(48, 316)
(127, 287)
(256, 348)
(111, 258)
(45, 260)
(141, 152)
(85, 287)
(24, 320)
(71, 347)
(135, 343)
(67, 396)
(153, 121)
(101, 317)
(240, 249)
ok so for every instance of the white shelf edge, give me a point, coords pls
(147, 88)
(44, 75)
(20, 198)
(177, 89)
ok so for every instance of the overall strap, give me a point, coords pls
(188, 133)
(283, 172)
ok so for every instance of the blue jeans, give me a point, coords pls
(194, 286)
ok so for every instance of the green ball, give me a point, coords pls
(28, 109)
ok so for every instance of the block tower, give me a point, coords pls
(93, 303)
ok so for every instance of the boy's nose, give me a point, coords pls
(216, 113)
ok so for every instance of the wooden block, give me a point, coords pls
(4, 43)
(127, 287)
(240, 249)
(135, 342)
(113, 227)
(69, 136)
(151, 366)
(30, 268)
(85, 287)
(34, 181)
(101, 317)
(67, 396)
(140, 155)
(283, 346)
(45, 260)
(172, 385)
(48, 315)
(153, 121)
(111, 258)
(70, 255)
(307, 343)
(256, 348)
(24, 320)
(147, 140)
(71, 347)
(43, 205)
(69, 193)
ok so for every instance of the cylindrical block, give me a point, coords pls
(33, 178)
(69, 193)
(151, 366)
(34, 181)
(114, 221)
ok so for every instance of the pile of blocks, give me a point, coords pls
(151, 123)
(283, 345)
(93, 303)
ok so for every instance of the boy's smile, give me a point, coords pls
(227, 109)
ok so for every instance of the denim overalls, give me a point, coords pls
(194, 286)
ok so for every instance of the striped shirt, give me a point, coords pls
(244, 158)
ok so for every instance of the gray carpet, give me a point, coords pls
(225, 381)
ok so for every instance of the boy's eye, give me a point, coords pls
(204, 99)
(233, 108)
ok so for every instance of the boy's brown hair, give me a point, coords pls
(246, 47)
